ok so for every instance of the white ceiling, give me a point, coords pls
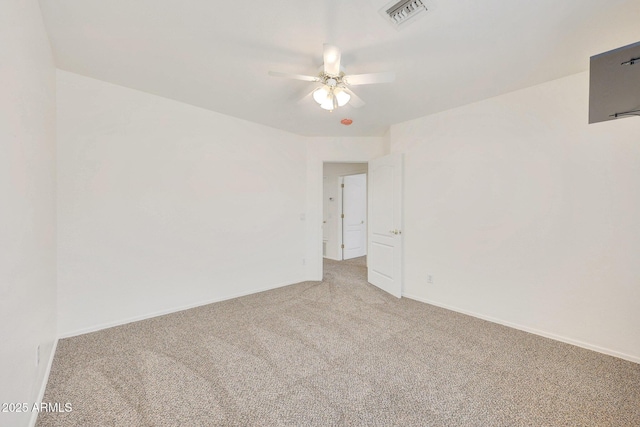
(216, 54)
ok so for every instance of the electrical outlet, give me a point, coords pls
(429, 278)
(304, 261)
(38, 355)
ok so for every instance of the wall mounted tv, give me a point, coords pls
(614, 84)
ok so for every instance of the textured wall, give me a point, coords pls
(525, 214)
(27, 205)
(163, 205)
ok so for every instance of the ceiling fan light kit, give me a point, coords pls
(333, 92)
(331, 97)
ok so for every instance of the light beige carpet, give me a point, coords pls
(336, 352)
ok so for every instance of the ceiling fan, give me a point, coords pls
(334, 91)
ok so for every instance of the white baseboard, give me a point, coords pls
(45, 381)
(120, 322)
(545, 334)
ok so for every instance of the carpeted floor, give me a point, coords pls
(336, 352)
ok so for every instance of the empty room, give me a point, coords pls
(356, 212)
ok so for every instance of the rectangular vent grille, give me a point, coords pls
(402, 11)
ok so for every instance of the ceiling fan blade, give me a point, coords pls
(331, 58)
(294, 76)
(355, 100)
(306, 98)
(371, 78)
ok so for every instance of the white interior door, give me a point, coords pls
(385, 224)
(354, 210)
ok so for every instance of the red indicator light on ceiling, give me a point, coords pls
(346, 122)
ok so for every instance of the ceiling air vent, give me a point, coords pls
(403, 11)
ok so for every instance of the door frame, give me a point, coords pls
(315, 268)
(312, 263)
(341, 210)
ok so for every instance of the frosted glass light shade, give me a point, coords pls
(342, 96)
(320, 95)
(330, 98)
(329, 103)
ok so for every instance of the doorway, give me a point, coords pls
(385, 236)
(344, 223)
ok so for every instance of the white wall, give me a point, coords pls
(525, 214)
(162, 205)
(330, 149)
(331, 227)
(27, 207)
